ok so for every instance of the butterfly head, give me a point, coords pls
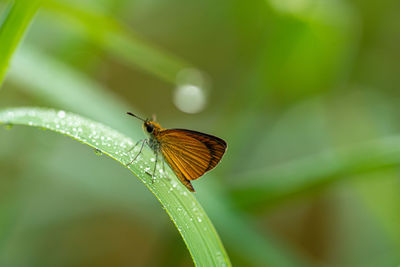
(150, 127)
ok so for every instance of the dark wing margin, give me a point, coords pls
(190, 154)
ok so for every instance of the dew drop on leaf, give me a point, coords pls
(8, 126)
(61, 114)
(98, 152)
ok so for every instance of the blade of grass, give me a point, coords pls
(185, 211)
(119, 41)
(266, 187)
(12, 30)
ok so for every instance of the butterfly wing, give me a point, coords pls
(190, 154)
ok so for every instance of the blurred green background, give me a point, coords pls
(304, 92)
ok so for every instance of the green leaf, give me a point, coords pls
(185, 211)
(12, 30)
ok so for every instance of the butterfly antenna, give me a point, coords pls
(130, 113)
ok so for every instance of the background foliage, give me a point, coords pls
(304, 92)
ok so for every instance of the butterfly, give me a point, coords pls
(188, 153)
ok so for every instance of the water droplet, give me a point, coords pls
(220, 258)
(8, 126)
(98, 152)
(61, 114)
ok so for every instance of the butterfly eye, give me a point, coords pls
(149, 128)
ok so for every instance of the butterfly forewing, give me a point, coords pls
(189, 153)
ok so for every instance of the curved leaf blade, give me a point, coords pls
(184, 210)
(13, 29)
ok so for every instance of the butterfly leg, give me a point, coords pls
(132, 148)
(155, 168)
(140, 151)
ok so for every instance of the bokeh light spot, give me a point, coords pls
(189, 98)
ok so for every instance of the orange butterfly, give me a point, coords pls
(190, 154)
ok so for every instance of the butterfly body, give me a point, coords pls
(190, 154)
(153, 129)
